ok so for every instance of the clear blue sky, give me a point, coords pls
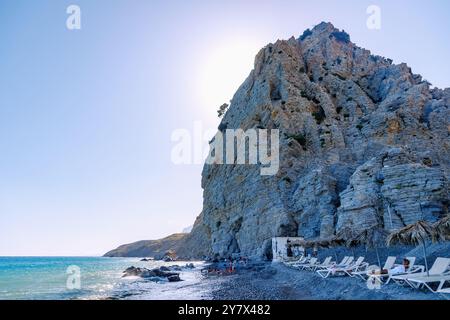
(86, 116)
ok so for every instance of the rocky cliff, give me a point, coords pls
(363, 141)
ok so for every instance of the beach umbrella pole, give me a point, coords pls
(378, 258)
(425, 257)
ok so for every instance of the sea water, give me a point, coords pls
(99, 278)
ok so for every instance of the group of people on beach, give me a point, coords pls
(226, 266)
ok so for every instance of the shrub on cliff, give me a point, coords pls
(222, 109)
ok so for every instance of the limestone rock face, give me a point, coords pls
(362, 141)
(392, 190)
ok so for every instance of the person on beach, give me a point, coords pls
(289, 251)
(315, 252)
(230, 266)
(403, 268)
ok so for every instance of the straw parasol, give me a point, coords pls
(372, 238)
(414, 234)
(327, 242)
(348, 235)
(442, 228)
(331, 242)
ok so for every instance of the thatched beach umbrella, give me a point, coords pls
(331, 242)
(414, 234)
(372, 238)
(442, 228)
(348, 235)
(328, 242)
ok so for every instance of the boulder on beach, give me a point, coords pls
(162, 273)
(174, 278)
(147, 273)
(164, 268)
(138, 272)
(175, 268)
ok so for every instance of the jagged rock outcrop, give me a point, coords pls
(362, 141)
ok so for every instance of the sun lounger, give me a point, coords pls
(344, 269)
(342, 263)
(326, 271)
(302, 259)
(440, 267)
(413, 268)
(427, 281)
(439, 273)
(389, 264)
(358, 266)
(311, 263)
(326, 263)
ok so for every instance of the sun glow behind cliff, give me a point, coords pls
(223, 68)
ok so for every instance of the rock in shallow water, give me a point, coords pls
(174, 278)
(147, 273)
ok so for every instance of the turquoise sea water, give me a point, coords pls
(100, 278)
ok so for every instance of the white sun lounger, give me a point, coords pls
(326, 263)
(343, 269)
(302, 259)
(440, 267)
(342, 263)
(438, 273)
(358, 266)
(413, 268)
(389, 264)
(426, 282)
(311, 263)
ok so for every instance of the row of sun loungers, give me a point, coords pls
(416, 276)
(346, 268)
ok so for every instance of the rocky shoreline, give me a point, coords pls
(156, 274)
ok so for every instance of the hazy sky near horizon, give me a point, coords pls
(86, 115)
